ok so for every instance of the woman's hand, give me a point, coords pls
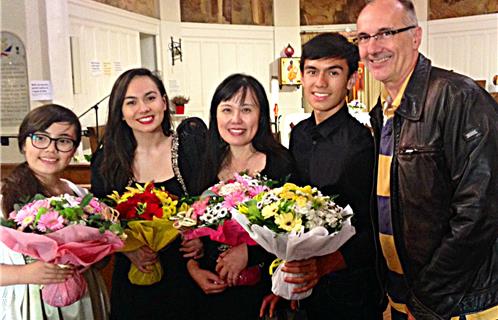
(192, 248)
(209, 282)
(38, 272)
(143, 258)
(231, 262)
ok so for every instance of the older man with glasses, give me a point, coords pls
(436, 136)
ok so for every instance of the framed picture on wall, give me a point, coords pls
(289, 73)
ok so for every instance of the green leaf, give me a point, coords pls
(8, 223)
(86, 200)
(116, 228)
(41, 211)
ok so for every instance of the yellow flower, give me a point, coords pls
(126, 195)
(184, 207)
(270, 210)
(162, 195)
(243, 209)
(114, 196)
(290, 186)
(288, 195)
(288, 222)
(306, 190)
(168, 211)
(301, 201)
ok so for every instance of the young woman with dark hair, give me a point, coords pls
(239, 139)
(139, 146)
(48, 138)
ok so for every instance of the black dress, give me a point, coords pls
(174, 296)
(170, 298)
(244, 302)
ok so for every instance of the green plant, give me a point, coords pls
(180, 100)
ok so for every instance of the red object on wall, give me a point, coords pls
(289, 51)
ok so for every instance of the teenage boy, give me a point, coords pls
(335, 153)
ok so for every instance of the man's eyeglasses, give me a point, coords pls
(364, 38)
(42, 141)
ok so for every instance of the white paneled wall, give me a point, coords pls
(466, 45)
(212, 52)
(107, 36)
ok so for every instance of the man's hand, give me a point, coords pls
(209, 282)
(271, 301)
(307, 273)
(143, 258)
(231, 263)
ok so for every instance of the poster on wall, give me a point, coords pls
(289, 71)
(14, 90)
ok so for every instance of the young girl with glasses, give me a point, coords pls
(48, 138)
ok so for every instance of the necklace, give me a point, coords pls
(233, 165)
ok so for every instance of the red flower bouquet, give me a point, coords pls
(145, 212)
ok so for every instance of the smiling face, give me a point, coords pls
(326, 84)
(390, 60)
(143, 107)
(238, 120)
(50, 162)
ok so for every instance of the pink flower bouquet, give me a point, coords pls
(64, 230)
(210, 216)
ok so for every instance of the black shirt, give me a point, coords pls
(337, 157)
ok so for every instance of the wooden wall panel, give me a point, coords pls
(110, 37)
(213, 52)
(466, 45)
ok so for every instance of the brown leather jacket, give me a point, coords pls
(444, 192)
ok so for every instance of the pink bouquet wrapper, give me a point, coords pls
(229, 232)
(77, 245)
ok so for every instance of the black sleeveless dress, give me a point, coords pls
(174, 297)
(170, 298)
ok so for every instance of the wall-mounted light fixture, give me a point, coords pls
(176, 50)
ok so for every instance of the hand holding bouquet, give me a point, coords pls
(295, 223)
(64, 230)
(145, 211)
(210, 216)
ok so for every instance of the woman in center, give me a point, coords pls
(239, 140)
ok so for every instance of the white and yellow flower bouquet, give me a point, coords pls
(295, 223)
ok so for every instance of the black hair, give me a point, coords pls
(119, 142)
(22, 184)
(331, 45)
(264, 141)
